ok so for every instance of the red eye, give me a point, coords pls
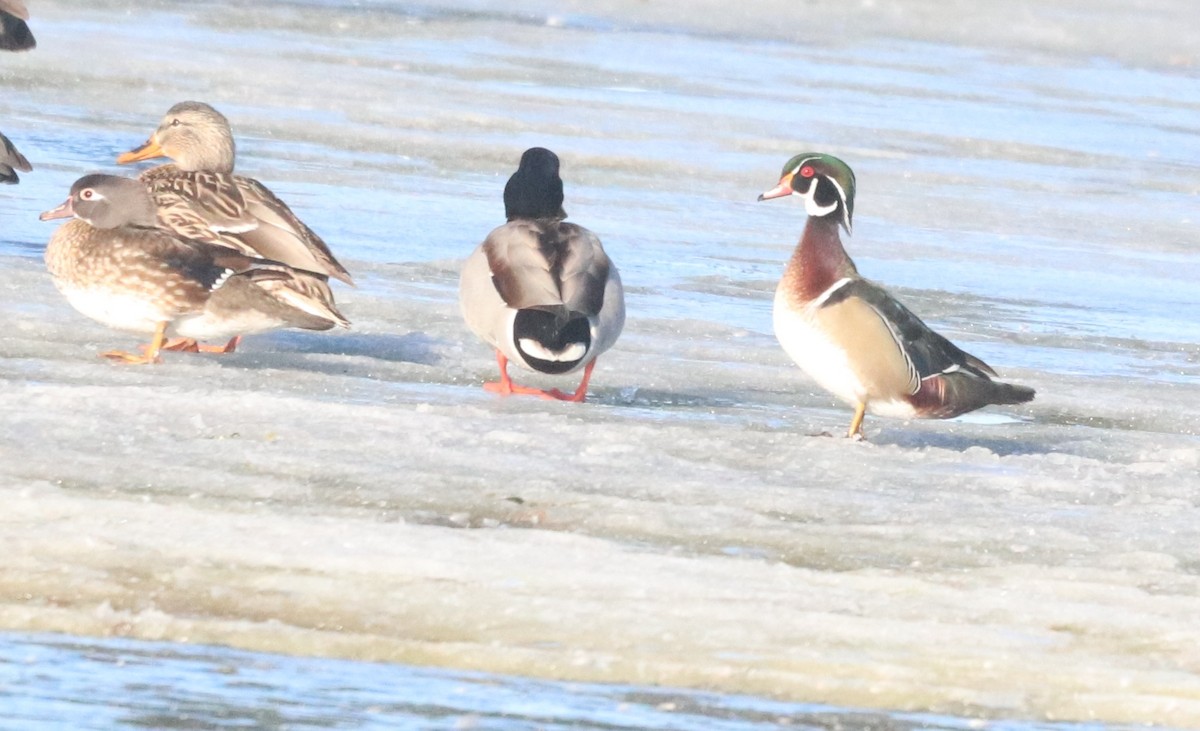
(87, 194)
(807, 171)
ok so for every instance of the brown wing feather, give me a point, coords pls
(585, 269)
(278, 223)
(239, 213)
(197, 204)
(547, 264)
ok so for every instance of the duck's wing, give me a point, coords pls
(204, 206)
(239, 213)
(926, 352)
(10, 161)
(547, 264)
(281, 235)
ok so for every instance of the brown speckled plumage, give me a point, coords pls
(116, 266)
(200, 197)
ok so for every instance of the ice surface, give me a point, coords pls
(357, 495)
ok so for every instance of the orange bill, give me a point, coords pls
(148, 151)
(779, 191)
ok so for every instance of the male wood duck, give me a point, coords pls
(114, 264)
(11, 161)
(14, 31)
(539, 290)
(852, 337)
(199, 196)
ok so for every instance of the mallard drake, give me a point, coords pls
(14, 31)
(541, 291)
(849, 334)
(11, 161)
(199, 196)
(114, 264)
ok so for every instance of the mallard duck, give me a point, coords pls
(200, 197)
(849, 334)
(541, 291)
(14, 31)
(114, 264)
(11, 161)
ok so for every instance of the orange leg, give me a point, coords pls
(580, 393)
(506, 387)
(149, 352)
(856, 431)
(187, 345)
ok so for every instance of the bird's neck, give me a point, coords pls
(216, 157)
(818, 261)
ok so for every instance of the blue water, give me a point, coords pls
(58, 682)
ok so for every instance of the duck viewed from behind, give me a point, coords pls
(11, 161)
(14, 31)
(114, 264)
(852, 337)
(539, 290)
(199, 196)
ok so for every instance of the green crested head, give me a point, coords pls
(824, 182)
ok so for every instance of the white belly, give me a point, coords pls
(825, 361)
(206, 326)
(119, 311)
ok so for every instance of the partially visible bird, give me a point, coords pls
(539, 290)
(852, 337)
(11, 161)
(199, 196)
(114, 264)
(14, 31)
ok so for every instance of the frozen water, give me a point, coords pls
(1027, 186)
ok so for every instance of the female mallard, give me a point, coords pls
(542, 292)
(200, 197)
(852, 337)
(115, 265)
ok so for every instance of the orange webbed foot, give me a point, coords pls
(508, 388)
(188, 345)
(121, 356)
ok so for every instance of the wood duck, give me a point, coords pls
(199, 196)
(14, 31)
(541, 291)
(11, 161)
(114, 264)
(852, 337)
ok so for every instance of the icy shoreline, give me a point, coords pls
(357, 495)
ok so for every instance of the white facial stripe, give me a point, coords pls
(803, 162)
(842, 195)
(810, 202)
(810, 196)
